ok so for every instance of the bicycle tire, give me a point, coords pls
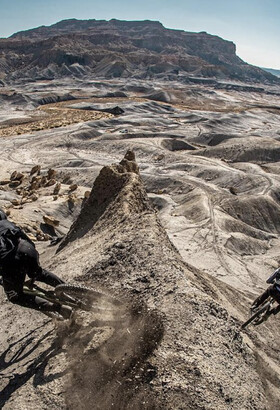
(85, 297)
(261, 310)
(54, 315)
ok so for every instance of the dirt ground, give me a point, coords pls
(47, 117)
(184, 247)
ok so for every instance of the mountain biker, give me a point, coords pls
(18, 258)
(273, 290)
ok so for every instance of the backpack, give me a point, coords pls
(9, 237)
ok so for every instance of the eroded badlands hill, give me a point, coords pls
(138, 49)
(173, 342)
(209, 159)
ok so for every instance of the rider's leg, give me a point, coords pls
(40, 304)
(275, 292)
(14, 292)
(37, 303)
(27, 258)
(49, 278)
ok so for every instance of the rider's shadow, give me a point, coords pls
(26, 347)
(36, 367)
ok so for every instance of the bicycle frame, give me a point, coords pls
(35, 290)
(30, 288)
(262, 313)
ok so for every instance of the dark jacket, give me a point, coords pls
(10, 235)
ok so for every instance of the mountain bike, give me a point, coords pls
(75, 296)
(262, 313)
(269, 307)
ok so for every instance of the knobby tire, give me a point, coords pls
(261, 310)
(86, 296)
(76, 290)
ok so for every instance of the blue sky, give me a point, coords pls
(253, 25)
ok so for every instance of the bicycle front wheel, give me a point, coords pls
(260, 315)
(82, 297)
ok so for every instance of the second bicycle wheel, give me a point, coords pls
(81, 296)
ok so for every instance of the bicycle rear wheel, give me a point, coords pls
(260, 315)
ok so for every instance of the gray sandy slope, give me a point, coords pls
(192, 155)
(171, 345)
(184, 248)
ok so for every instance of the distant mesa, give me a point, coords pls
(118, 48)
(272, 71)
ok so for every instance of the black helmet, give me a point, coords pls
(2, 215)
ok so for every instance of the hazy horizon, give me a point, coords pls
(253, 26)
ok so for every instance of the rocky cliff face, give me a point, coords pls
(142, 49)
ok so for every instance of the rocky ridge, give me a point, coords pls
(188, 352)
(115, 48)
(175, 343)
